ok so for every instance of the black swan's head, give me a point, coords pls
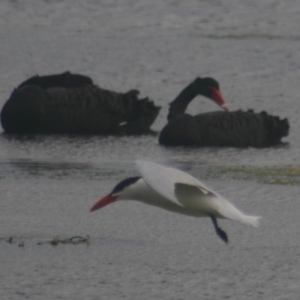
(210, 88)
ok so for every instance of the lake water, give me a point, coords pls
(49, 183)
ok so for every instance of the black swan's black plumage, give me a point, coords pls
(220, 128)
(65, 80)
(72, 104)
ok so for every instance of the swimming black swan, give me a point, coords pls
(220, 128)
(72, 104)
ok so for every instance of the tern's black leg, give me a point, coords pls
(222, 234)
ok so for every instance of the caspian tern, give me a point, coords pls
(176, 191)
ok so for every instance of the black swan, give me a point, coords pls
(220, 128)
(71, 104)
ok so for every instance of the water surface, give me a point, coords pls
(49, 183)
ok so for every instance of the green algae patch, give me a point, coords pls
(22, 241)
(289, 175)
(75, 240)
(13, 240)
(249, 36)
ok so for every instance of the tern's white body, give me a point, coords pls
(142, 192)
(177, 191)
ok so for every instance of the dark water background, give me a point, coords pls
(49, 183)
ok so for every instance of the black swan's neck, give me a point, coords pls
(181, 102)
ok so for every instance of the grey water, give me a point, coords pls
(49, 183)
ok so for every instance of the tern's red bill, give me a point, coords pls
(104, 201)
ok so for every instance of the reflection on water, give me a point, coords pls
(27, 169)
(31, 170)
(124, 150)
(97, 158)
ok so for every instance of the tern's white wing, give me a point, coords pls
(190, 193)
(168, 181)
